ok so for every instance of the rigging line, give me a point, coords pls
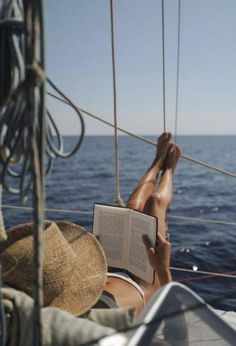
(163, 64)
(79, 212)
(90, 213)
(203, 277)
(86, 212)
(77, 110)
(35, 113)
(186, 157)
(117, 198)
(204, 164)
(198, 219)
(203, 272)
(177, 75)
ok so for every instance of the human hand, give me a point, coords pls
(158, 256)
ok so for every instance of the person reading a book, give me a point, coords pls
(74, 277)
(75, 269)
(152, 198)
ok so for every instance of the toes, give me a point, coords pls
(171, 147)
(166, 135)
(163, 135)
(177, 150)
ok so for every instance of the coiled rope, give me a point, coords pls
(14, 123)
(24, 80)
(34, 78)
(3, 324)
(117, 199)
(34, 92)
(143, 139)
(24, 129)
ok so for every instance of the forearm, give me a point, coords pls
(164, 276)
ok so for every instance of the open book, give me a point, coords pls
(120, 232)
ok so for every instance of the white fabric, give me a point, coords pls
(125, 277)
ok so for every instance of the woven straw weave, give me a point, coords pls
(74, 266)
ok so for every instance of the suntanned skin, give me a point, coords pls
(152, 199)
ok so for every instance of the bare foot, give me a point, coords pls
(163, 143)
(172, 157)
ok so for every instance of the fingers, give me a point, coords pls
(160, 238)
(147, 242)
(149, 248)
(160, 242)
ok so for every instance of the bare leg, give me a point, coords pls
(158, 203)
(155, 202)
(146, 185)
(160, 199)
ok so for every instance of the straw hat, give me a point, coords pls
(74, 266)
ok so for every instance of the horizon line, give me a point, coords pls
(152, 135)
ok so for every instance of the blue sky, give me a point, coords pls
(79, 61)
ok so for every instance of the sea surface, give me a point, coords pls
(74, 184)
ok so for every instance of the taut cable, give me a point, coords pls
(87, 212)
(163, 64)
(177, 72)
(117, 199)
(186, 157)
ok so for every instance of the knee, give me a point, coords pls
(157, 198)
(135, 205)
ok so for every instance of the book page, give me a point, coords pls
(110, 225)
(138, 263)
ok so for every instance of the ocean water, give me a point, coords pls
(74, 184)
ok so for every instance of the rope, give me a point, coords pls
(187, 218)
(224, 275)
(199, 162)
(78, 212)
(163, 64)
(85, 212)
(35, 115)
(117, 199)
(177, 71)
(203, 277)
(60, 152)
(3, 325)
(26, 135)
(14, 122)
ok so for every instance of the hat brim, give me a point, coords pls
(91, 271)
(86, 279)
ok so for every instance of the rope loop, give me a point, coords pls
(12, 24)
(35, 75)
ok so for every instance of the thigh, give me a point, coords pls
(124, 293)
